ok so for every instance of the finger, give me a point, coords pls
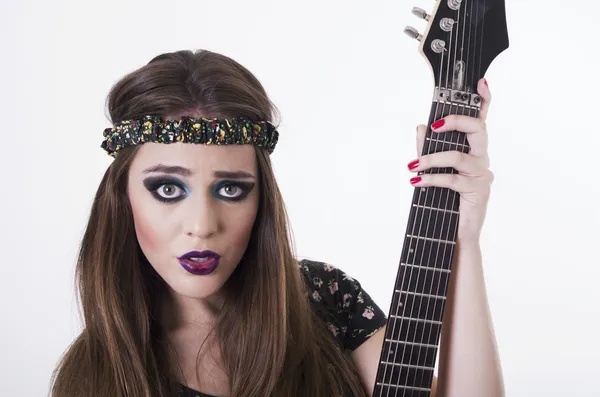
(463, 163)
(483, 90)
(458, 183)
(475, 129)
(455, 122)
(421, 132)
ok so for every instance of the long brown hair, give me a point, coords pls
(272, 342)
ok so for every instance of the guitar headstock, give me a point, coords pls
(461, 40)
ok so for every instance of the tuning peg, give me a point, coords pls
(412, 32)
(454, 4)
(438, 46)
(421, 13)
(446, 24)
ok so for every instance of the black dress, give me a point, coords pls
(346, 308)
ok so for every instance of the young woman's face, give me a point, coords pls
(188, 197)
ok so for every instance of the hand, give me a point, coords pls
(473, 182)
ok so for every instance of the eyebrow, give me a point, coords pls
(175, 169)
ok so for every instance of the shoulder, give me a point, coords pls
(348, 310)
(324, 275)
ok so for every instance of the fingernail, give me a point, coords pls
(416, 179)
(485, 81)
(413, 164)
(438, 124)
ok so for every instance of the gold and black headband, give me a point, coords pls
(204, 131)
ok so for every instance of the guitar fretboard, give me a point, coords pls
(408, 357)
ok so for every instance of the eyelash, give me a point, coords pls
(245, 188)
(153, 184)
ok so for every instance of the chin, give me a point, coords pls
(197, 287)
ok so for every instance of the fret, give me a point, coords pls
(400, 352)
(426, 295)
(406, 375)
(435, 209)
(459, 107)
(448, 137)
(432, 224)
(400, 318)
(423, 280)
(412, 330)
(394, 390)
(452, 145)
(419, 306)
(405, 365)
(435, 145)
(437, 197)
(437, 269)
(412, 344)
(427, 253)
(430, 239)
(442, 110)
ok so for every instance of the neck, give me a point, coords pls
(180, 313)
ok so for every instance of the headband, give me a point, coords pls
(205, 131)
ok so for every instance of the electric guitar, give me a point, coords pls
(461, 40)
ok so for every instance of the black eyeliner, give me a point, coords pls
(154, 182)
(245, 186)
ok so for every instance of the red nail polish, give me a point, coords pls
(438, 124)
(416, 179)
(413, 164)
(485, 81)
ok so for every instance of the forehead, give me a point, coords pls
(197, 157)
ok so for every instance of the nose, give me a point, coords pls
(201, 218)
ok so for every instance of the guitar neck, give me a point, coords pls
(408, 358)
(461, 40)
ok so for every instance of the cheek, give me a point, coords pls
(146, 227)
(146, 234)
(241, 224)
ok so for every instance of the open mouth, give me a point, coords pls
(200, 263)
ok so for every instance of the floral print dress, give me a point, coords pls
(346, 308)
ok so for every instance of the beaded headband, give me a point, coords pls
(205, 131)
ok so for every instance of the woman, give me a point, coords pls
(186, 274)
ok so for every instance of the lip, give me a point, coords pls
(200, 269)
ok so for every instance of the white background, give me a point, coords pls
(351, 88)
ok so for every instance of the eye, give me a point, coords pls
(169, 191)
(231, 191)
(166, 190)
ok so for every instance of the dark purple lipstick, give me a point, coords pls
(200, 262)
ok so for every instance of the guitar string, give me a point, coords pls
(436, 192)
(435, 273)
(459, 136)
(469, 69)
(402, 317)
(477, 57)
(419, 213)
(411, 239)
(440, 278)
(408, 274)
(430, 353)
(463, 136)
(454, 196)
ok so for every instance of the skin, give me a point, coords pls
(469, 364)
(199, 221)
